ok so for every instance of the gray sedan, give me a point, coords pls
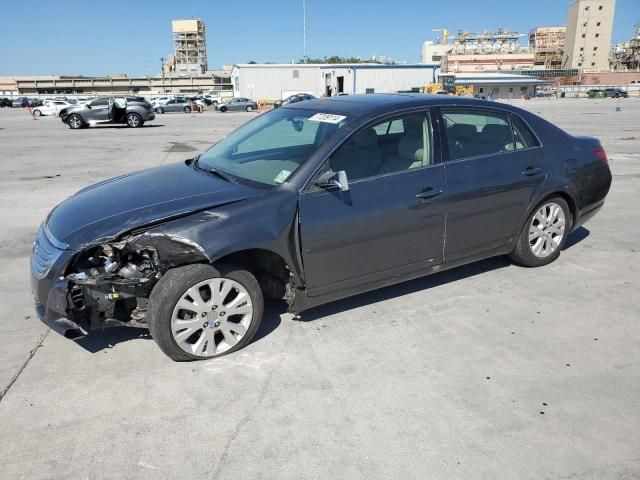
(239, 103)
(176, 105)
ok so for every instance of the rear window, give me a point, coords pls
(473, 133)
(522, 135)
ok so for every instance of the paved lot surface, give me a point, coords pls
(489, 371)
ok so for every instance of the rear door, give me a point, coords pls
(494, 165)
(389, 222)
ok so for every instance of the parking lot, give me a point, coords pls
(488, 371)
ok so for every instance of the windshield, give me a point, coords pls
(269, 149)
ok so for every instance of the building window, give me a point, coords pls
(598, 24)
(593, 64)
(369, 90)
(597, 35)
(595, 48)
(586, 9)
(600, 7)
(581, 49)
(481, 90)
(584, 24)
(296, 73)
(584, 35)
(579, 64)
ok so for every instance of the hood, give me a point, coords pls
(124, 203)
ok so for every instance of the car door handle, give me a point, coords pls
(531, 171)
(429, 192)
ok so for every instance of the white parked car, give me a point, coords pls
(51, 107)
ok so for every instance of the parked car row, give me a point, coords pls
(607, 93)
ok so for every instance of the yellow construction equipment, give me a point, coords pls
(445, 34)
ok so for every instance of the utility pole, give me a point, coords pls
(304, 30)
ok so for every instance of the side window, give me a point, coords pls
(402, 143)
(522, 135)
(100, 102)
(472, 133)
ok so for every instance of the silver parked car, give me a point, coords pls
(132, 111)
(178, 105)
(239, 103)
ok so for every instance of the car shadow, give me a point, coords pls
(575, 237)
(109, 337)
(405, 288)
(127, 126)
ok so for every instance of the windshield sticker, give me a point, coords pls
(327, 118)
(282, 176)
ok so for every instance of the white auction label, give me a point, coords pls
(327, 118)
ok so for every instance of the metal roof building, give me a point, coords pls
(500, 85)
(275, 81)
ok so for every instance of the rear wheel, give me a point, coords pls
(134, 120)
(249, 108)
(544, 234)
(37, 113)
(198, 311)
(160, 110)
(187, 109)
(75, 121)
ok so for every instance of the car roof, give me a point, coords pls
(370, 103)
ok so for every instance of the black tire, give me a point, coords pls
(522, 252)
(223, 109)
(75, 121)
(160, 110)
(175, 283)
(187, 109)
(37, 113)
(134, 120)
(249, 108)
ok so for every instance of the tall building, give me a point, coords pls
(190, 54)
(547, 44)
(589, 29)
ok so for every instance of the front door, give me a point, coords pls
(494, 167)
(389, 222)
(99, 111)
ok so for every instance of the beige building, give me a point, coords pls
(589, 29)
(190, 54)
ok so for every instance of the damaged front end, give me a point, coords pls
(110, 283)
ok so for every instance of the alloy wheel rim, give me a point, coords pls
(211, 317)
(133, 120)
(546, 230)
(75, 122)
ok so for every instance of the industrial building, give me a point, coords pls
(626, 55)
(589, 30)
(547, 44)
(496, 85)
(275, 81)
(190, 48)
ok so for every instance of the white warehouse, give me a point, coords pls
(275, 81)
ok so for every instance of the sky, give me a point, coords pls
(117, 36)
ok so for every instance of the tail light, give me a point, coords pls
(601, 155)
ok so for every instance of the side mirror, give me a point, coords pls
(88, 106)
(333, 179)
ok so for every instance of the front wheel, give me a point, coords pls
(198, 311)
(160, 110)
(187, 109)
(544, 234)
(223, 109)
(134, 120)
(75, 121)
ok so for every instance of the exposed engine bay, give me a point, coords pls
(110, 283)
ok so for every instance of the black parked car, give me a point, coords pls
(5, 102)
(20, 102)
(298, 97)
(312, 202)
(615, 93)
